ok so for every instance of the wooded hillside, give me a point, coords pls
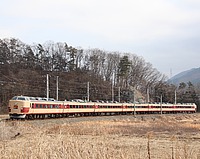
(23, 70)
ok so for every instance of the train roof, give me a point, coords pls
(27, 98)
(21, 98)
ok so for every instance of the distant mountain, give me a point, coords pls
(192, 75)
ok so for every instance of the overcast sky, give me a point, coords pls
(165, 33)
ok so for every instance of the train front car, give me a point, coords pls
(18, 107)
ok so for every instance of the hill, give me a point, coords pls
(23, 70)
(192, 75)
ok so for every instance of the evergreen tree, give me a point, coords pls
(123, 71)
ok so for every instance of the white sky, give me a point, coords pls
(165, 32)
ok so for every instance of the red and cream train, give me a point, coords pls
(30, 108)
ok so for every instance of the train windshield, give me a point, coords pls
(20, 98)
(14, 98)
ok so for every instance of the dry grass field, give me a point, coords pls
(124, 137)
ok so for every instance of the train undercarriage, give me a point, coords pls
(65, 115)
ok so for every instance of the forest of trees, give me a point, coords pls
(23, 70)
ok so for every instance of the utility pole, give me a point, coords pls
(175, 97)
(119, 94)
(57, 88)
(112, 92)
(134, 101)
(161, 104)
(47, 87)
(148, 95)
(88, 91)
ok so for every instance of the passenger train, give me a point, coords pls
(31, 108)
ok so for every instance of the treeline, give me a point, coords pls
(23, 70)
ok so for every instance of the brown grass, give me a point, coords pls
(161, 138)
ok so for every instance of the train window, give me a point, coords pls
(21, 98)
(14, 98)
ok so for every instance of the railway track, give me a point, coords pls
(68, 120)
